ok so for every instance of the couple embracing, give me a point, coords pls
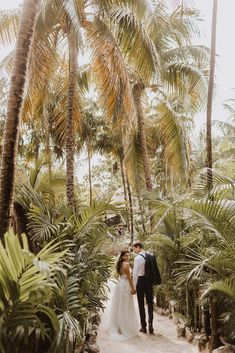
(123, 323)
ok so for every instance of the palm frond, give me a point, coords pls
(173, 138)
(7, 62)
(187, 80)
(110, 73)
(135, 42)
(221, 183)
(225, 286)
(134, 161)
(9, 23)
(92, 218)
(25, 288)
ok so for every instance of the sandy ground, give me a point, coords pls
(163, 341)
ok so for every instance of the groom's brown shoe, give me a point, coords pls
(143, 330)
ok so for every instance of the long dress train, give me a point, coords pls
(123, 322)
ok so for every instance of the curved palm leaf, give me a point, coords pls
(24, 290)
(135, 42)
(110, 71)
(9, 24)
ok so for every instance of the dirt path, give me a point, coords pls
(164, 340)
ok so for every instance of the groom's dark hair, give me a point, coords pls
(138, 243)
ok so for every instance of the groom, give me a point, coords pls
(144, 288)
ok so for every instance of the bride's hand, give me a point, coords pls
(133, 291)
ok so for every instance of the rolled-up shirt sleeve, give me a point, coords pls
(135, 273)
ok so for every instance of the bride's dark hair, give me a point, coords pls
(120, 260)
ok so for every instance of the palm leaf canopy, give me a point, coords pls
(110, 72)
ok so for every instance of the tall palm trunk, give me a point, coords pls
(47, 142)
(137, 92)
(125, 191)
(141, 209)
(214, 329)
(14, 105)
(89, 172)
(70, 123)
(36, 149)
(210, 96)
(131, 207)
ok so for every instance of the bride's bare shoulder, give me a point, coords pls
(126, 268)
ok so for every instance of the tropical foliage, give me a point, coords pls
(120, 81)
(49, 297)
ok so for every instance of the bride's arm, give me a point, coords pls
(126, 269)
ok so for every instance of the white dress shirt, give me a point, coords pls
(139, 267)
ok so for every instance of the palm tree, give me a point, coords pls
(168, 68)
(214, 330)
(89, 129)
(110, 143)
(73, 67)
(210, 94)
(203, 226)
(113, 76)
(15, 98)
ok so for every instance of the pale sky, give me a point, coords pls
(225, 71)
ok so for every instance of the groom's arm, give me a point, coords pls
(135, 273)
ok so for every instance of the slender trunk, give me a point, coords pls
(199, 318)
(187, 300)
(125, 192)
(89, 172)
(137, 90)
(131, 207)
(166, 177)
(214, 341)
(123, 179)
(19, 219)
(14, 106)
(49, 159)
(36, 147)
(47, 144)
(142, 211)
(206, 319)
(70, 124)
(172, 184)
(210, 96)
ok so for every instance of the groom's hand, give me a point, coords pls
(133, 291)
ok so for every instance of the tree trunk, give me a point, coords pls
(206, 319)
(36, 149)
(19, 219)
(141, 210)
(89, 172)
(210, 96)
(14, 105)
(137, 91)
(47, 144)
(214, 341)
(131, 207)
(166, 177)
(70, 123)
(125, 192)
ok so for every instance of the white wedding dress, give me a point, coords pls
(122, 323)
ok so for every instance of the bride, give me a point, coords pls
(123, 323)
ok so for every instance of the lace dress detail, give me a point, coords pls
(123, 322)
